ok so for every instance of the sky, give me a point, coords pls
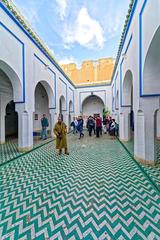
(77, 30)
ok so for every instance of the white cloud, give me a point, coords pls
(30, 12)
(67, 60)
(115, 17)
(32, 16)
(62, 6)
(86, 31)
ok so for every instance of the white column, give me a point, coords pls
(124, 124)
(53, 121)
(4, 100)
(144, 142)
(25, 129)
(139, 136)
(158, 124)
(2, 121)
(66, 117)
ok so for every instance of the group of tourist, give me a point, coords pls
(94, 125)
(111, 127)
(77, 125)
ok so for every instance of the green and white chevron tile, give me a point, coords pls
(97, 192)
(152, 171)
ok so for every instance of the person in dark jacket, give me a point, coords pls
(45, 124)
(112, 128)
(98, 126)
(90, 125)
(80, 127)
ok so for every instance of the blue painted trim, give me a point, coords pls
(115, 82)
(39, 59)
(23, 60)
(55, 87)
(66, 95)
(90, 86)
(35, 43)
(129, 42)
(72, 100)
(126, 32)
(121, 88)
(141, 54)
(80, 107)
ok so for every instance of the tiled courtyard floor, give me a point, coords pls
(9, 151)
(152, 172)
(97, 192)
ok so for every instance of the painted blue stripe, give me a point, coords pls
(66, 94)
(115, 82)
(23, 61)
(126, 32)
(129, 42)
(54, 87)
(121, 81)
(72, 99)
(35, 43)
(90, 86)
(141, 54)
(121, 88)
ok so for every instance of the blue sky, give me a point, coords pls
(77, 30)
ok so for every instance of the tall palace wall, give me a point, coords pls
(90, 71)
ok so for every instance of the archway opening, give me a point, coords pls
(117, 100)
(127, 98)
(151, 84)
(151, 72)
(41, 107)
(92, 106)
(8, 114)
(11, 121)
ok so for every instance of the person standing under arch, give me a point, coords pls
(45, 124)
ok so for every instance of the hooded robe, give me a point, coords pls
(60, 130)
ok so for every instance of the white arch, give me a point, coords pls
(62, 104)
(49, 91)
(151, 71)
(15, 81)
(96, 107)
(70, 106)
(117, 100)
(91, 96)
(127, 89)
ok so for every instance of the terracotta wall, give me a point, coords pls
(90, 71)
